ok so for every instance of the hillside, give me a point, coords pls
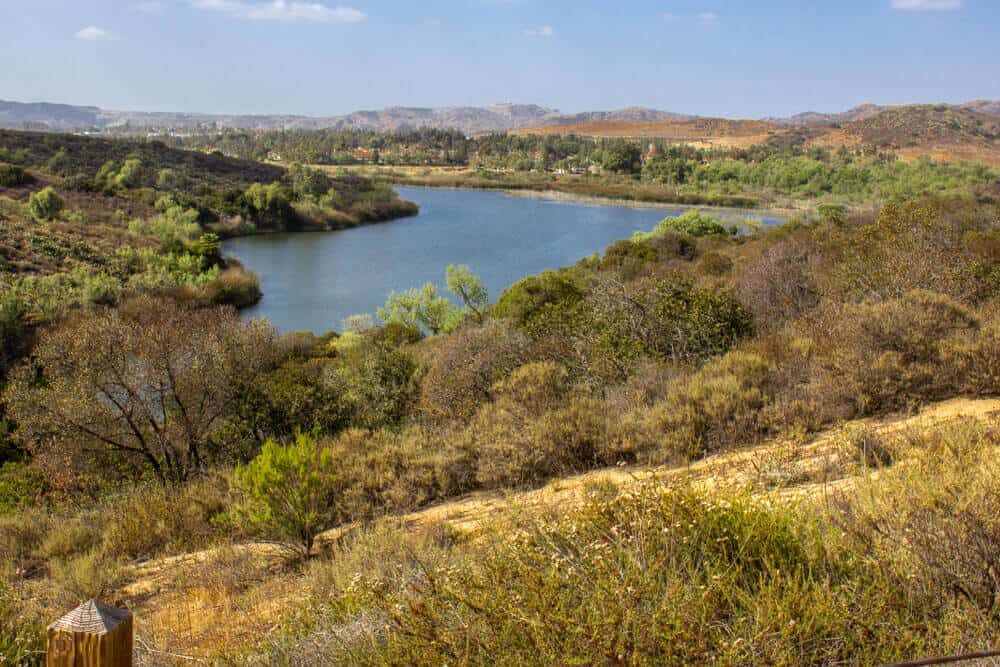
(87, 221)
(698, 131)
(918, 125)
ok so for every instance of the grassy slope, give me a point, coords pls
(225, 601)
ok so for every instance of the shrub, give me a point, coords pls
(534, 388)
(528, 300)
(84, 577)
(779, 285)
(692, 223)
(151, 520)
(291, 491)
(469, 363)
(974, 359)
(45, 204)
(12, 176)
(881, 356)
(715, 408)
(714, 264)
(935, 522)
(69, 538)
(22, 628)
(21, 485)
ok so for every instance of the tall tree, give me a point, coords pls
(139, 388)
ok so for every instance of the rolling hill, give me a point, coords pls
(471, 120)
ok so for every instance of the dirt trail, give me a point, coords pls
(195, 604)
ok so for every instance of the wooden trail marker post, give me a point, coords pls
(92, 635)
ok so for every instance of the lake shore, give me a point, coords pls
(607, 188)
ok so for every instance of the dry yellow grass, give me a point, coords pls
(223, 600)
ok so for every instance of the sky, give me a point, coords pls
(731, 58)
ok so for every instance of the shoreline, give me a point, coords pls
(783, 213)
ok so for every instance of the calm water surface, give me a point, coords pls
(312, 281)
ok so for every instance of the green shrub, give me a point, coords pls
(717, 407)
(12, 176)
(21, 485)
(290, 491)
(692, 223)
(45, 204)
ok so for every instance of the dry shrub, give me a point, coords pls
(974, 358)
(779, 285)
(534, 387)
(887, 355)
(916, 245)
(86, 576)
(20, 536)
(717, 407)
(867, 446)
(385, 471)
(714, 264)
(514, 443)
(150, 520)
(467, 365)
(70, 537)
(934, 523)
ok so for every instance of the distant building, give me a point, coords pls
(273, 157)
(363, 154)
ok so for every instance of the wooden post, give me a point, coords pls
(91, 635)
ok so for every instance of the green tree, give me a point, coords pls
(129, 176)
(45, 204)
(623, 157)
(291, 491)
(467, 286)
(423, 307)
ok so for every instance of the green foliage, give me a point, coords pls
(174, 223)
(623, 157)
(12, 176)
(693, 223)
(419, 308)
(20, 486)
(468, 287)
(46, 204)
(290, 491)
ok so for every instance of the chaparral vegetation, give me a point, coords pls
(726, 415)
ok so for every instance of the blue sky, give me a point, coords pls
(748, 58)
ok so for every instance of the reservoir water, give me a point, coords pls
(312, 281)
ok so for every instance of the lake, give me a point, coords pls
(312, 281)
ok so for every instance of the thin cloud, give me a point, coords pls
(708, 18)
(151, 7)
(93, 34)
(927, 5)
(668, 17)
(541, 31)
(282, 10)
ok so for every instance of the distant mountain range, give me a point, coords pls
(471, 120)
(496, 118)
(866, 111)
